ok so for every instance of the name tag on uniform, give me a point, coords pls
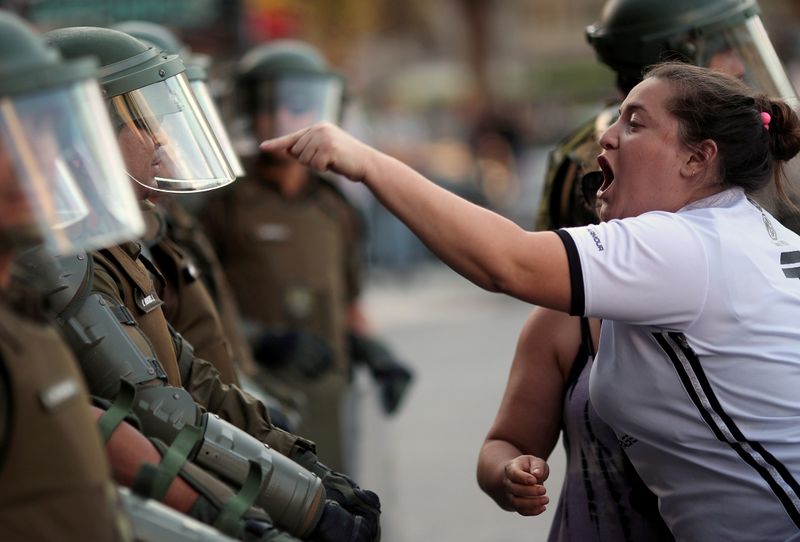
(59, 393)
(147, 302)
(272, 232)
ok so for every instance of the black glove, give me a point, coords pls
(394, 383)
(392, 376)
(339, 525)
(341, 489)
(301, 351)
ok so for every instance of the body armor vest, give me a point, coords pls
(188, 306)
(286, 260)
(54, 470)
(189, 235)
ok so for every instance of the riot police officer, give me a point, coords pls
(299, 239)
(289, 241)
(61, 186)
(201, 305)
(726, 35)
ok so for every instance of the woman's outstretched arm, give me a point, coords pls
(486, 248)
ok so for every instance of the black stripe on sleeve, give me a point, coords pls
(577, 305)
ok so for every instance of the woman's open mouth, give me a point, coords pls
(608, 174)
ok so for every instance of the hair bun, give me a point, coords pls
(784, 131)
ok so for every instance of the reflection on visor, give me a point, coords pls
(206, 102)
(299, 98)
(166, 141)
(65, 170)
(70, 205)
(298, 101)
(745, 51)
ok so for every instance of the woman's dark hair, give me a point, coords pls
(715, 106)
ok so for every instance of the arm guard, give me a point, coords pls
(96, 329)
(290, 494)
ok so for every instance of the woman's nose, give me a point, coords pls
(608, 138)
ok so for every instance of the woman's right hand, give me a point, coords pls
(325, 147)
(524, 484)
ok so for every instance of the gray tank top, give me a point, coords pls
(602, 498)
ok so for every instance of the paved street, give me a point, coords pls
(460, 341)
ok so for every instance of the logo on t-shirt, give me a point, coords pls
(770, 228)
(596, 239)
(790, 262)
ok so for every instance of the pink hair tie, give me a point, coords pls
(765, 119)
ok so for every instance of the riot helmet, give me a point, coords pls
(720, 34)
(197, 65)
(286, 85)
(166, 143)
(61, 175)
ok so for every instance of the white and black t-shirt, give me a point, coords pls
(698, 369)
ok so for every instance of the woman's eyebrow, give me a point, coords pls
(633, 107)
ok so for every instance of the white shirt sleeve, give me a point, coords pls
(649, 270)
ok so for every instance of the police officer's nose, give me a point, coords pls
(159, 137)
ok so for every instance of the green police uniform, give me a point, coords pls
(188, 306)
(124, 276)
(289, 259)
(45, 407)
(189, 235)
(294, 264)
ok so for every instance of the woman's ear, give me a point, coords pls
(701, 158)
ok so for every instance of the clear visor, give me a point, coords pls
(166, 142)
(746, 51)
(60, 172)
(293, 102)
(206, 102)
